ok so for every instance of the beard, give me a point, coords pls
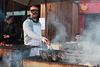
(35, 16)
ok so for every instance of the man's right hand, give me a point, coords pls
(44, 39)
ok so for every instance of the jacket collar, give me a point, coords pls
(33, 20)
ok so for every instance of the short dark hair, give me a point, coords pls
(8, 17)
(34, 6)
(77, 34)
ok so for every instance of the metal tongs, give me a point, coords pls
(47, 46)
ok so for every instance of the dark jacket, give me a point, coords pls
(12, 30)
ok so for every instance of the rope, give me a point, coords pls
(13, 10)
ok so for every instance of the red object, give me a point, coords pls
(81, 1)
(81, 23)
(2, 42)
(92, 7)
(87, 8)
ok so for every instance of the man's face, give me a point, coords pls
(34, 11)
(9, 21)
(77, 37)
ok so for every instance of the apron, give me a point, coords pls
(37, 30)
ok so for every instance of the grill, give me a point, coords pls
(66, 56)
(69, 52)
(16, 53)
(18, 47)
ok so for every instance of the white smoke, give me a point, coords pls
(15, 58)
(61, 33)
(58, 19)
(91, 42)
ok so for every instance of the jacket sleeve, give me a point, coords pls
(28, 29)
(16, 34)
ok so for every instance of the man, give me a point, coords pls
(32, 31)
(11, 31)
(77, 36)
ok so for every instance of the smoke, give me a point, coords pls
(15, 58)
(61, 33)
(87, 50)
(57, 19)
(90, 44)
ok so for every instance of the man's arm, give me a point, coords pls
(28, 29)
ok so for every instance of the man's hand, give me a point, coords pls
(6, 36)
(44, 39)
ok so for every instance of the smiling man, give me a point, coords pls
(32, 31)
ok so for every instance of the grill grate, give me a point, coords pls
(18, 47)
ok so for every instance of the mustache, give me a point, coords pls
(34, 13)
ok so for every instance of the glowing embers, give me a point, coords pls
(2, 42)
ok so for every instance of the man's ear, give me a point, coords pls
(29, 11)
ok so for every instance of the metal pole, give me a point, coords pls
(45, 18)
(25, 12)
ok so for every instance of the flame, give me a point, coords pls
(2, 43)
(63, 49)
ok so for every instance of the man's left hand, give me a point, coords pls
(6, 36)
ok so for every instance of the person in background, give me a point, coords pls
(76, 43)
(77, 37)
(11, 31)
(32, 31)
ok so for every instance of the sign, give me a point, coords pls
(84, 7)
(42, 21)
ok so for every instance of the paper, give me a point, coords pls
(42, 21)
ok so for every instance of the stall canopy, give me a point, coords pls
(36, 2)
